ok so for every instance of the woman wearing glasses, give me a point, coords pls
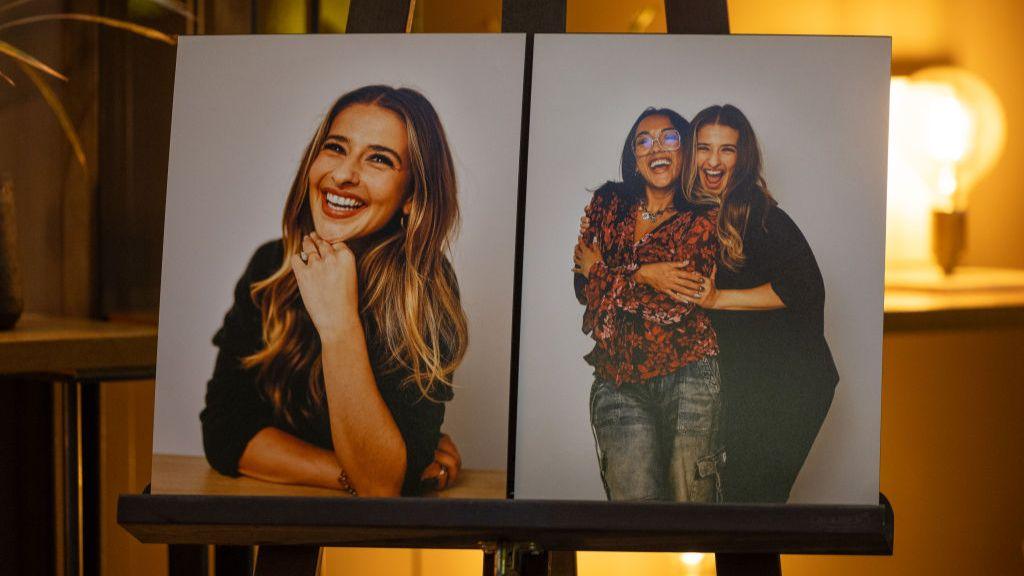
(654, 404)
(767, 305)
(337, 356)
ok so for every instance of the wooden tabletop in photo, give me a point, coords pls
(186, 475)
(40, 344)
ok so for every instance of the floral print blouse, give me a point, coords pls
(641, 333)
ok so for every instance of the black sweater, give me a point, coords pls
(236, 408)
(783, 348)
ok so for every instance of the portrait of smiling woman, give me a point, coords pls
(336, 359)
(654, 402)
(766, 300)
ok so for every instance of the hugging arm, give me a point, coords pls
(794, 279)
(649, 290)
(662, 281)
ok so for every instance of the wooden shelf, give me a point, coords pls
(919, 299)
(41, 344)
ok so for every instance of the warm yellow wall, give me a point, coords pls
(920, 28)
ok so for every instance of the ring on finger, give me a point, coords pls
(304, 257)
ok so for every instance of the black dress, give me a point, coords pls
(236, 408)
(778, 374)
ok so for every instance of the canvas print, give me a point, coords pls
(336, 299)
(703, 269)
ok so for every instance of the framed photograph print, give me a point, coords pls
(336, 298)
(701, 313)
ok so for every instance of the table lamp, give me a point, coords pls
(954, 130)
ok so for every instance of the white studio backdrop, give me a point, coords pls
(819, 107)
(245, 107)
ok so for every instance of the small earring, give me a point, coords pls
(403, 220)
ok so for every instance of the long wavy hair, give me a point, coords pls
(745, 192)
(408, 298)
(632, 182)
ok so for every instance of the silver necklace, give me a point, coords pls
(649, 216)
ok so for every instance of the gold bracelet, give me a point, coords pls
(343, 481)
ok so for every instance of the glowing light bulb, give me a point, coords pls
(947, 130)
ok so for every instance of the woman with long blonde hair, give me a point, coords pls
(766, 300)
(337, 356)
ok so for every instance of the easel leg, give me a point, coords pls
(748, 565)
(287, 561)
(562, 563)
(509, 559)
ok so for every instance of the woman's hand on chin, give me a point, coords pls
(329, 285)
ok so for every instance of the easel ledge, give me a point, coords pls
(472, 524)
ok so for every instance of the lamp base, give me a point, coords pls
(949, 237)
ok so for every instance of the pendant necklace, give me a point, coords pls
(652, 216)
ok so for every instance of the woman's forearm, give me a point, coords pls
(759, 298)
(276, 456)
(367, 442)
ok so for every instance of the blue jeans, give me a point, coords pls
(658, 439)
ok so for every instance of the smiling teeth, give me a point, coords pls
(659, 163)
(343, 202)
(713, 174)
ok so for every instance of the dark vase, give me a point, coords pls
(11, 301)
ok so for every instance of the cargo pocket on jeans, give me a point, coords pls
(709, 468)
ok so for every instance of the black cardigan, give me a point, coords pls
(783, 349)
(236, 408)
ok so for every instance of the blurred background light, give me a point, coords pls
(947, 131)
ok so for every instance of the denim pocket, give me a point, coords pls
(712, 376)
(698, 397)
(600, 412)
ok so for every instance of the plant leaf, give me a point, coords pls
(144, 31)
(178, 8)
(58, 110)
(24, 58)
(7, 78)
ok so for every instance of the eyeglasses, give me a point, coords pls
(668, 139)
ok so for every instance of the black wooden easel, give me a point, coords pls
(518, 537)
